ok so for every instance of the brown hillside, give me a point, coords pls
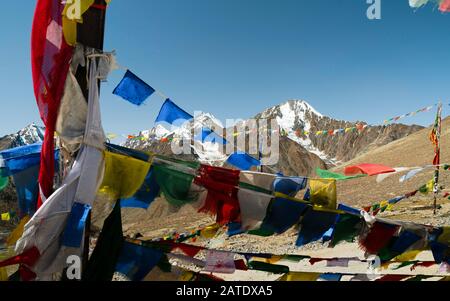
(414, 150)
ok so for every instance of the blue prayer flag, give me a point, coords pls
(73, 234)
(207, 135)
(314, 226)
(289, 185)
(349, 209)
(27, 189)
(330, 277)
(145, 195)
(283, 214)
(137, 261)
(243, 161)
(133, 89)
(170, 113)
(404, 241)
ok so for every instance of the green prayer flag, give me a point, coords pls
(175, 185)
(3, 183)
(261, 232)
(346, 229)
(326, 174)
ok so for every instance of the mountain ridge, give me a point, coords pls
(295, 117)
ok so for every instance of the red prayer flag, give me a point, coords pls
(50, 61)
(368, 169)
(222, 199)
(393, 277)
(379, 236)
(28, 258)
(445, 6)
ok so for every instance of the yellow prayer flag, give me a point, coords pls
(17, 233)
(73, 14)
(444, 238)
(407, 256)
(210, 231)
(274, 259)
(123, 176)
(300, 276)
(3, 274)
(323, 193)
(385, 265)
(186, 276)
(384, 204)
(6, 217)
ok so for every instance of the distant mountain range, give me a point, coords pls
(29, 135)
(299, 154)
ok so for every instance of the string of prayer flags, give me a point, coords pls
(368, 169)
(426, 109)
(133, 89)
(172, 113)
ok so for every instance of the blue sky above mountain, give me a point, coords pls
(236, 58)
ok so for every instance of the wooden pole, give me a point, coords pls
(438, 126)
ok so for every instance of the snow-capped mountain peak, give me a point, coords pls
(28, 135)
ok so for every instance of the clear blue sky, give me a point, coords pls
(234, 58)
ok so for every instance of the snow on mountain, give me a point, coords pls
(296, 115)
(28, 135)
(300, 121)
